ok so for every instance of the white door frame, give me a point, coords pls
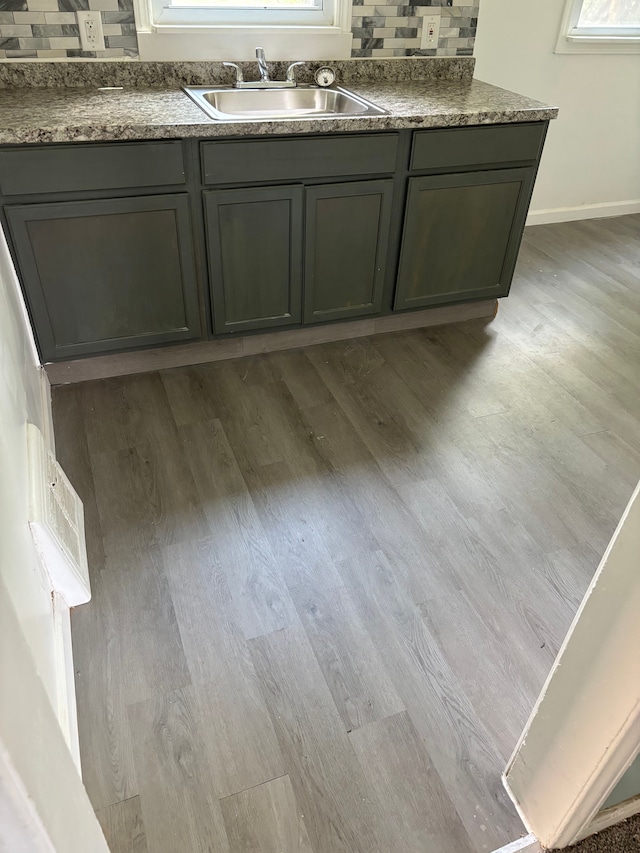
(584, 730)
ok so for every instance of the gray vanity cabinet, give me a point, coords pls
(126, 245)
(254, 242)
(346, 245)
(461, 236)
(106, 275)
(329, 206)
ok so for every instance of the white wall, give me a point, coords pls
(592, 153)
(41, 792)
(21, 399)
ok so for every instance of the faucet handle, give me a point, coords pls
(291, 74)
(239, 76)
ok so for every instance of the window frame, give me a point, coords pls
(163, 14)
(198, 38)
(574, 39)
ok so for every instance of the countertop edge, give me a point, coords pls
(212, 130)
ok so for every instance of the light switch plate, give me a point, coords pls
(91, 34)
(430, 32)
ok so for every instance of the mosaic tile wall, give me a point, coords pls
(47, 29)
(396, 30)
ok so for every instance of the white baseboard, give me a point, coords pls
(528, 844)
(583, 211)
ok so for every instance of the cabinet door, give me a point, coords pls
(107, 275)
(461, 236)
(346, 243)
(254, 240)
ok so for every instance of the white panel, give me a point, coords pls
(585, 728)
(56, 520)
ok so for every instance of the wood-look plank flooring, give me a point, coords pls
(329, 583)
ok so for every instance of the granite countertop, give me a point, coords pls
(37, 114)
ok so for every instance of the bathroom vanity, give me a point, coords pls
(210, 230)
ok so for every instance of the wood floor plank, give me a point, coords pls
(330, 786)
(307, 526)
(360, 685)
(413, 419)
(177, 790)
(241, 409)
(611, 415)
(435, 364)
(72, 452)
(105, 741)
(354, 374)
(301, 378)
(474, 601)
(617, 453)
(161, 481)
(123, 827)
(456, 740)
(140, 502)
(592, 260)
(506, 376)
(106, 749)
(538, 424)
(266, 819)
(569, 572)
(404, 778)
(233, 716)
(147, 647)
(189, 395)
(106, 414)
(549, 508)
(389, 523)
(239, 541)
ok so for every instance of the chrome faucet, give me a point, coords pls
(262, 65)
(265, 81)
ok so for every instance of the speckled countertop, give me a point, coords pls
(67, 113)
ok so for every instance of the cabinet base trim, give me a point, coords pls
(142, 361)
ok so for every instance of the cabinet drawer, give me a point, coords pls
(476, 146)
(69, 168)
(298, 159)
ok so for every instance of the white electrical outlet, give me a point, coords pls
(430, 32)
(91, 35)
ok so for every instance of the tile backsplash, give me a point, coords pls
(392, 29)
(47, 29)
